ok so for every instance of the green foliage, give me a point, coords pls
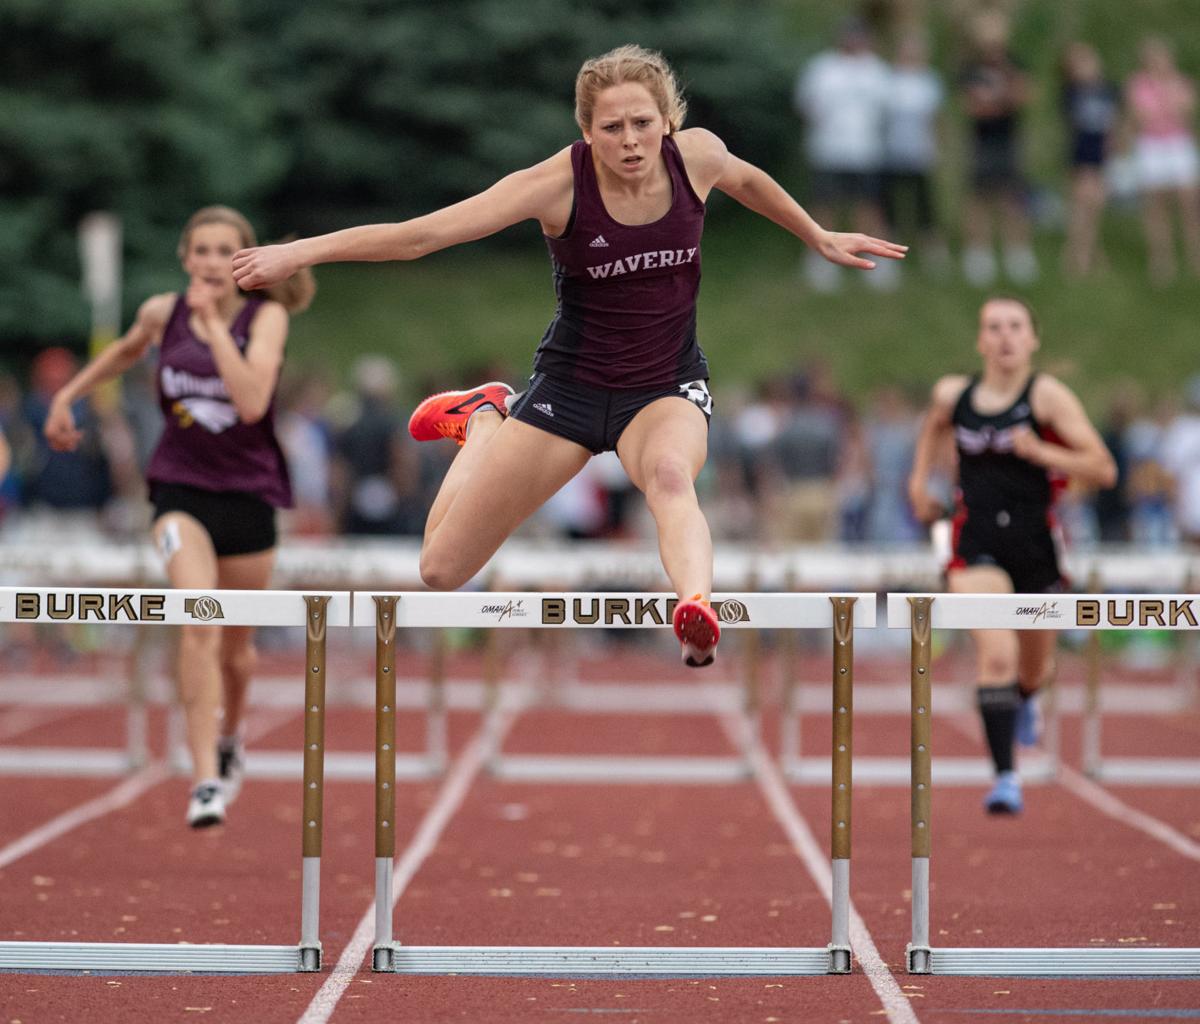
(135, 106)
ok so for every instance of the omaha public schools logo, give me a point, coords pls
(1047, 610)
(509, 610)
(203, 609)
(730, 611)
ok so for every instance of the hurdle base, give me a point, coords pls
(383, 957)
(919, 959)
(1054, 962)
(150, 957)
(610, 961)
(310, 957)
(839, 959)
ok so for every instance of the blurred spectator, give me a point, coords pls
(306, 439)
(852, 481)
(840, 95)
(1151, 488)
(1091, 105)
(63, 480)
(1181, 458)
(1162, 103)
(995, 92)
(914, 99)
(891, 437)
(1112, 504)
(805, 453)
(377, 472)
(5, 455)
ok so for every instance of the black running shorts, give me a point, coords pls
(237, 523)
(595, 417)
(1021, 542)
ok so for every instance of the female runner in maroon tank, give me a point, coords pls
(1019, 436)
(217, 474)
(619, 367)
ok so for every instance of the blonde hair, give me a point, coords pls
(294, 294)
(629, 63)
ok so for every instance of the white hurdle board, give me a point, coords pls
(516, 610)
(182, 607)
(1020, 611)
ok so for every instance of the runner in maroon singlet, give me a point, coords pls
(1019, 436)
(619, 367)
(217, 474)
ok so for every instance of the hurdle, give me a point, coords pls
(315, 612)
(839, 612)
(1163, 771)
(920, 614)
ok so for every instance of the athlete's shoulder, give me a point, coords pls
(154, 314)
(699, 145)
(949, 389)
(1047, 393)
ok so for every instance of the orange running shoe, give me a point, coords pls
(446, 414)
(698, 629)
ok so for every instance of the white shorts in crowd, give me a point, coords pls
(1167, 162)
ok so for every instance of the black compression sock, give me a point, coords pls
(998, 708)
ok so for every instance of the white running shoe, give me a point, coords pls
(231, 766)
(207, 805)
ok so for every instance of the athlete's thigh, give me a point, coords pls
(524, 467)
(243, 572)
(667, 427)
(987, 579)
(186, 550)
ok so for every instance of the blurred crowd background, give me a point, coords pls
(1043, 149)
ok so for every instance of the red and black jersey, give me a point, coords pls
(991, 476)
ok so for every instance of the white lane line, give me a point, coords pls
(119, 796)
(26, 719)
(116, 798)
(444, 807)
(895, 1005)
(1104, 801)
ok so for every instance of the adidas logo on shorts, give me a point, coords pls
(544, 407)
(598, 243)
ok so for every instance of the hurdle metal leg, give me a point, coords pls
(314, 784)
(385, 777)
(842, 768)
(918, 953)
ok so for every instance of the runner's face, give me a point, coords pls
(209, 257)
(1006, 337)
(627, 130)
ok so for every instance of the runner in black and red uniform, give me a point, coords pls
(1019, 435)
(620, 366)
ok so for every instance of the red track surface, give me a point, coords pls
(552, 864)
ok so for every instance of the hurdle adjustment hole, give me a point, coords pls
(841, 785)
(921, 710)
(842, 748)
(386, 785)
(920, 785)
(921, 748)
(314, 746)
(841, 711)
(312, 785)
(385, 824)
(387, 746)
(842, 671)
(387, 707)
(312, 824)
